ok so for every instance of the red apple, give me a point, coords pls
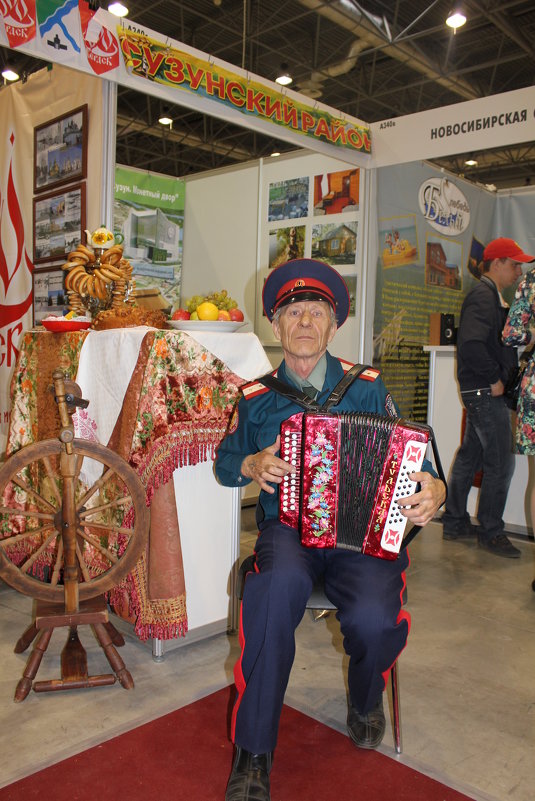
(223, 315)
(181, 314)
(236, 315)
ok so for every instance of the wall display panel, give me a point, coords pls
(310, 206)
(49, 296)
(60, 150)
(430, 230)
(148, 217)
(58, 223)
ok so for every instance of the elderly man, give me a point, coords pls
(306, 300)
(484, 364)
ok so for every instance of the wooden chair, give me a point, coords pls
(320, 606)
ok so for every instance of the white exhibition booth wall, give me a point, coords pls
(227, 233)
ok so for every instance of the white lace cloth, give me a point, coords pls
(242, 353)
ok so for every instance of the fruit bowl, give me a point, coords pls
(223, 326)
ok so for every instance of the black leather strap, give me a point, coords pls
(343, 385)
(294, 394)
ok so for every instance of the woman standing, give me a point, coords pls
(520, 330)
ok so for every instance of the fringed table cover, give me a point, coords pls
(175, 413)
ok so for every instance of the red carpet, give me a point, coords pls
(186, 756)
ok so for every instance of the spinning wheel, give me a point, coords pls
(73, 523)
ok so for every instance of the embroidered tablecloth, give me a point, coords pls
(175, 413)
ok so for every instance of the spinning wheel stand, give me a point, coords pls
(47, 508)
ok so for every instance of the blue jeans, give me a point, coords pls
(487, 445)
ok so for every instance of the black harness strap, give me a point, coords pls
(294, 394)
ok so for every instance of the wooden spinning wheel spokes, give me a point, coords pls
(109, 516)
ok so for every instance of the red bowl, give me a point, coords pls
(69, 325)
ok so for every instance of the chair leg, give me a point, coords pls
(395, 707)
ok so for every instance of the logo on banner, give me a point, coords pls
(101, 46)
(13, 255)
(19, 20)
(59, 26)
(15, 283)
(444, 206)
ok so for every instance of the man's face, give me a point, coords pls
(305, 329)
(508, 272)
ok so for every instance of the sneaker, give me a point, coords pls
(467, 532)
(367, 731)
(500, 545)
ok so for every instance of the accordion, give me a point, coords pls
(351, 469)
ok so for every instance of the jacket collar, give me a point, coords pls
(332, 376)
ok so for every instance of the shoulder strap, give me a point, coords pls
(343, 385)
(303, 400)
(292, 393)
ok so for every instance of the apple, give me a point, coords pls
(223, 315)
(181, 314)
(236, 315)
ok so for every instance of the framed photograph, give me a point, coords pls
(49, 296)
(58, 223)
(60, 150)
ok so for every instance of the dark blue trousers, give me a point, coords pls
(367, 594)
(487, 444)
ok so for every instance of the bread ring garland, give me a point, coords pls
(107, 278)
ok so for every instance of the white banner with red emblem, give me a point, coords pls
(16, 182)
(46, 95)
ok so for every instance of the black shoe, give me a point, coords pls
(367, 731)
(500, 545)
(466, 532)
(249, 780)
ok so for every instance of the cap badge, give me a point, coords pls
(299, 283)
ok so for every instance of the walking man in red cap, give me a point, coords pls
(484, 365)
(306, 300)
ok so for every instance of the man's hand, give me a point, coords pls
(423, 504)
(497, 388)
(264, 466)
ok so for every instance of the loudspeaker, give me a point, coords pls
(442, 329)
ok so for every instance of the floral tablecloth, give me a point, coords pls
(175, 413)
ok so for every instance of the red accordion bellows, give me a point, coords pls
(351, 470)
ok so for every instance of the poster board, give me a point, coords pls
(310, 206)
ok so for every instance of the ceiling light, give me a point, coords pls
(456, 19)
(471, 162)
(275, 154)
(284, 78)
(10, 75)
(118, 9)
(164, 118)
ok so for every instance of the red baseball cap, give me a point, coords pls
(504, 248)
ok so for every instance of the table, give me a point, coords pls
(166, 418)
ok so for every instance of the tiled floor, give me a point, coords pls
(467, 676)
